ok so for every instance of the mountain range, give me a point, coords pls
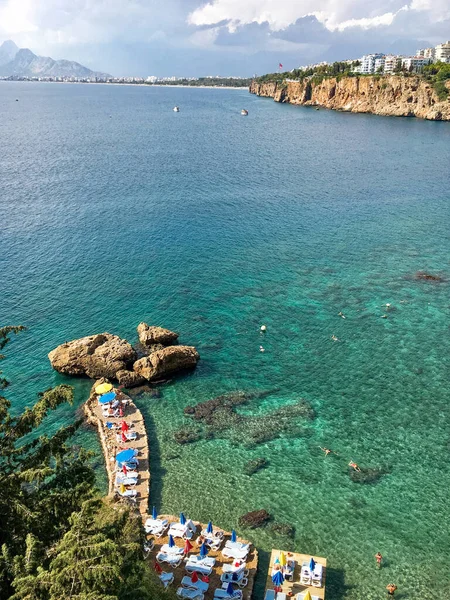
(22, 62)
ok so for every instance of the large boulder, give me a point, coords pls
(129, 379)
(101, 355)
(165, 362)
(148, 336)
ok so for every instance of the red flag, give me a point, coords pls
(280, 66)
(194, 577)
(158, 568)
(124, 426)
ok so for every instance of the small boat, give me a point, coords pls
(176, 109)
(244, 112)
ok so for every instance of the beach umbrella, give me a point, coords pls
(182, 519)
(187, 547)
(123, 489)
(230, 589)
(109, 397)
(234, 576)
(282, 559)
(277, 561)
(125, 455)
(158, 568)
(124, 426)
(209, 529)
(307, 596)
(123, 437)
(203, 550)
(194, 577)
(171, 541)
(312, 564)
(103, 388)
(233, 536)
(277, 578)
(124, 469)
(154, 513)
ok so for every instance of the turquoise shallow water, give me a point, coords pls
(116, 210)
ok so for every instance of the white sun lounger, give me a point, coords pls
(239, 546)
(238, 554)
(221, 593)
(156, 527)
(270, 595)
(198, 568)
(127, 493)
(316, 579)
(200, 585)
(281, 596)
(189, 594)
(125, 480)
(129, 435)
(178, 530)
(174, 560)
(166, 578)
(132, 474)
(166, 549)
(305, 575)
(241, 580)
(209, 561)
(227, 568)
(217, 533)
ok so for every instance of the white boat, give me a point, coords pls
(176, 109)
(244, 112)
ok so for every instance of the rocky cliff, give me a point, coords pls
(390, 96)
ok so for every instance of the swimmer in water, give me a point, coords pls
(334, 338)
(261, 349)
(354, 466)
(379, 558)
(326, 450)
(341, 315)
(391, 587)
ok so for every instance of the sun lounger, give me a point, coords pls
(305, 575)
(270, 595)
(289, 570)
(200, 585)
(301, 595)
(227, 568)
(316, 579)
(198, 568)
(231, 553)
(214, 543)
(112, 426)
(210, 561)
(237, 546)
(166, 578)
(125, 480)
(174, 560)
(222, 594)
(156, 527)
(217, 533)
(129, 436)
(189, 594)
(178, 530)
(241, 580)
(174, 550)
(127, 493)
(281, 596)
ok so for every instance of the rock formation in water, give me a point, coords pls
(255, 518)
(389, 96)
(149, 336)
(101, 355)
(162, 363)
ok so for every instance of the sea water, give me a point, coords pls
(116, 210)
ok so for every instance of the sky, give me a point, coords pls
(219, 37)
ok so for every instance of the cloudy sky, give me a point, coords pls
(227, 37)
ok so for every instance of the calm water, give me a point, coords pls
(115, 210)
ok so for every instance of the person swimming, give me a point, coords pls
(354, 466)
(379, 558)
(261, 349)
(326, 450)
(340, 314)
(334, 338)
(391, 587)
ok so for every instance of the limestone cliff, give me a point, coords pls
(390, 96)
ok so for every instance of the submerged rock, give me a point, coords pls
(284, 529)
(422, 275)
(101, 355)
(255, 518)
(255, 465)
(151, 335)
(187, 435)
(164, 362)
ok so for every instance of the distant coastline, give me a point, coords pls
(143, 85)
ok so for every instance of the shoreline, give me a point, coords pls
(143, 85)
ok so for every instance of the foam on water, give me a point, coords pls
(116, 210)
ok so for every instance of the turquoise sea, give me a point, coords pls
(116, 210)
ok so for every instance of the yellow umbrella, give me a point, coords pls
(282, 559)
(307, 596)
(123, 489)
(103, 388)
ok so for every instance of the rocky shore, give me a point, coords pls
(107, 355)
(389, 96)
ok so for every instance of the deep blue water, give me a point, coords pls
(115, 210)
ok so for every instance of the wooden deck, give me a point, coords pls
(111, 447)
(294, 586)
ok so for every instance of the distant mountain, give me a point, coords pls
(8, 51)
(24, 63)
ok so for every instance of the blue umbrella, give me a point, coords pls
(107, 397)
(209, 529)
(312, 564)
(233, 536)
(203, 550)
(126, 455)
(234, 576)
(171, 541)
(277, 578)
(154, 513)
(230, 589)
(182, 519)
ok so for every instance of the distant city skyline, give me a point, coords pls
(226, 37)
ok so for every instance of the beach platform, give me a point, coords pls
(294, 587)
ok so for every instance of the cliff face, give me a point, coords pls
(391, 96)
